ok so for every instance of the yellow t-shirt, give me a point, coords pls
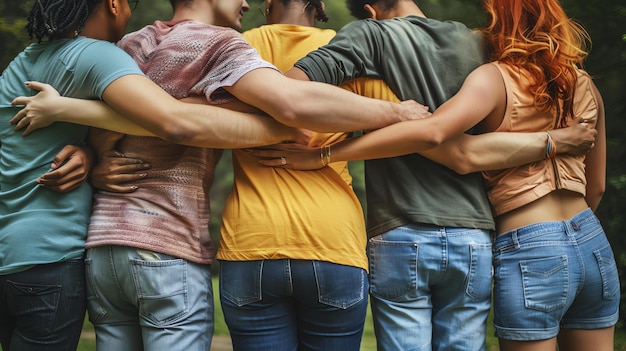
(277, 213)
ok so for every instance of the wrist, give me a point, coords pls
(550, 151)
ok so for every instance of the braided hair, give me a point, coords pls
(55, 18)
(312, 4)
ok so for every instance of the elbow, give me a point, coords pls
(461, 163)
(176, 134)
(462, 167)
(435, 138)
(175, 130)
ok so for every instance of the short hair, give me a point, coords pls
(357, 10)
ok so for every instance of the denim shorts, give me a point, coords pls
(553, 275)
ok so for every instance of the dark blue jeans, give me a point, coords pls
(290, 305)
(43, 308)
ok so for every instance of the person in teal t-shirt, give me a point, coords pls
(42, 232)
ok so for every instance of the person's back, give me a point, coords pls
(416, 207)
(43, 232)
(437, 56)
(25, 159)
(171, 203)
(286, 205)
(295, 240)
(160, 230)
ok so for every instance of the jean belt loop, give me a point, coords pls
(515, 239)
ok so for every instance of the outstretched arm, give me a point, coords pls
(148, 106)
(465, 153)
(318, 106)
(491, 151)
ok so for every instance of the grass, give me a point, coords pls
(88, 343)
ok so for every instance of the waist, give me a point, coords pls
(558, 205)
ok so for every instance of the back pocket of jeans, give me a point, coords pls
(240, 281)
(161, 289)
(608, 272)
(95, 308)
(545, 283)
(478, 283)
(340, 286)
(32, 298)
(393, 268)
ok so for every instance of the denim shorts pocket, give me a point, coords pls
(393, 268)
(240, 281)
(161, 289)
(478, 283)
(96, 310)
(29, 299)
(608, 272)
(340, 286)
(545, 283)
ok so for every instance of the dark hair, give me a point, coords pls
(357, 10)
(312, 4)
(184, 2)
(55, 18)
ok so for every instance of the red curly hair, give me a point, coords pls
(538, 37)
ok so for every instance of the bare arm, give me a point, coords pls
(318, 106)
(146, 104)
(481, 96)
(500, 150)
(595, 162)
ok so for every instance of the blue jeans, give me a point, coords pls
(293, 305)
(43, 308)
(553, 275)
(430, 288)
(142, 300)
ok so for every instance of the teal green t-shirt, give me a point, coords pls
(38, 225)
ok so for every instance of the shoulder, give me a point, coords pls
(93, 51)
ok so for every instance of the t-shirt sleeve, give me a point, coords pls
(354, 52)
(98, 65)
(229, 57)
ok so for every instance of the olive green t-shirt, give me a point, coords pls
(425, 60)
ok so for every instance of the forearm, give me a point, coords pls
(395, 140)
(489, 151)
(215, 127)
(317, 106)
(95, 114)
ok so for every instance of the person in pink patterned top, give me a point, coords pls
(148, 249)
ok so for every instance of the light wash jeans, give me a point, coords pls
(141, 300)
(43, 308)
(430, 288)
(289, 305)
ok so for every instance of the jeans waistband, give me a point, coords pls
(575, 224)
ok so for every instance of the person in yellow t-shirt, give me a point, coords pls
(292, 250)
